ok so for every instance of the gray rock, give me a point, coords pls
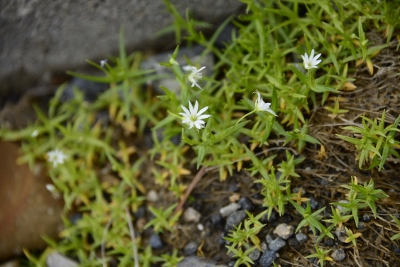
(246, 204)
(301, 237)
(191, 215)
(55, 259)
(194, 261)
(191, 248)
(283, 230)
(276, 244)
(155, 241)
(267, 258)
(41, 37)
(234, 219)
(255, 255)
(228, 210)
(338, 255)
(313, 203)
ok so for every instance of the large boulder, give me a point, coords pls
(41, 37)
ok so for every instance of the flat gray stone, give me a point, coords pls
(39, 38)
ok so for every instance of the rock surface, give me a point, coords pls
(39, 38)
(27, 209)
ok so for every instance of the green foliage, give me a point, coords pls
(310, 219)
(274, 191)
(264, 55)
(243, 240)
(163, 219)
(374, 142)
(320, 254)
(360, 197)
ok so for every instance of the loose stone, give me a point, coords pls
(301, 237)
(228, 210)
(338, 255)
(284, 231)
(191, 215)
(246, 204)
(155, 242)
(267, 258)
(234, 219)
(276, 244)
(191, 248)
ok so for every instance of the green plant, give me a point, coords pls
(274, 191)
(352, 237)
(163, 219)
(243, 239)
(311, 219)
(321, 255)
(360, 197)
(374, 141)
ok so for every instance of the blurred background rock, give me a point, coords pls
(42, 38)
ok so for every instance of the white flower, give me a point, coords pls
(311, 62)
(35, 133)
(195, 74)
(103, 62)
(56, 157)
(193, 117)
(260, 105)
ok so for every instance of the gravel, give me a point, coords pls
(228, 210)
(255, 255)
(234, 219)
(301, 237)
(191, 215)
(284, 231)
(191, 248)
(155, 241)
(276, 244)
(246, 204)
(267, 258)
(338, 255)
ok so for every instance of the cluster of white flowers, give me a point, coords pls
(195, 117)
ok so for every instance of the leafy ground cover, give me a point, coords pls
(299, 116)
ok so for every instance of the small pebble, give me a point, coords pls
(338, 255)
(313, 202)
(228, 210)
(152, 196)
(284, 231)
(234, 219)
(276, 244)
(155, 242)
(246, 204)
(329, 242)
(191, 215)
(301, 237)
(200, 227)
(366, 218)
(255, 255)
(191, 248)
(267, 258)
